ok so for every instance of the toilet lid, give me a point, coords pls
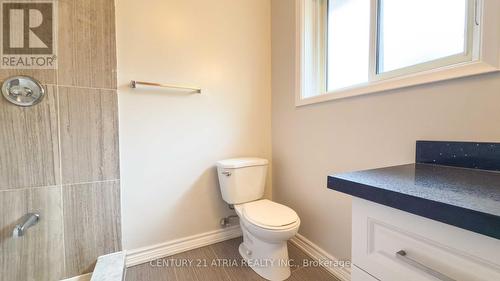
(268, 213)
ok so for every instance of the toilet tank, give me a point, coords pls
(242, 180)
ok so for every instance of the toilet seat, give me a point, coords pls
(269, 215)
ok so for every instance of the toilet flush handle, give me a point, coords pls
(226, 173)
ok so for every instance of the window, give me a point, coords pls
(405, 40)
(348, 44)
(353, 47)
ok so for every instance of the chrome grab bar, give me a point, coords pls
(403, 256)
(133, 84)
(29, 220)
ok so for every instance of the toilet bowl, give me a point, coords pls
(266, 225)
(264, 246)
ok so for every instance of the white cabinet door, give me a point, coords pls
(434, 251)
(359, 275)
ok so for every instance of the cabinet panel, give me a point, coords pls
(432, 248)
(359, 275)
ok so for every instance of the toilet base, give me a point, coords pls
(269, 260)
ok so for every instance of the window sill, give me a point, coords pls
(421, 78)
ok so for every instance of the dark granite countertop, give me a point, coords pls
(466, 198)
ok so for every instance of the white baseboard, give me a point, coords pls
(315, 252)
(150, 253)
(85, 277)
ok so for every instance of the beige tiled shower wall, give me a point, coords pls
(60, 157)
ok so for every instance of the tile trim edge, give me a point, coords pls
(110, 267)
(84, 277)
(150, 253)
(317, 253)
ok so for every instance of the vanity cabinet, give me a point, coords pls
(393, 245)
(435, 219)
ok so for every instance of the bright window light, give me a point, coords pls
(348, 43)
(413, 32)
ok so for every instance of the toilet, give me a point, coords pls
(266, 225)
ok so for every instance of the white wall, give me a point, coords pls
(170, 140)
(357, 133)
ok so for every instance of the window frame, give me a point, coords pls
(482, 55)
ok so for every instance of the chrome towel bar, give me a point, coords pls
(133, 84)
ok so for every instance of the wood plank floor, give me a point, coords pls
(215, 263)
